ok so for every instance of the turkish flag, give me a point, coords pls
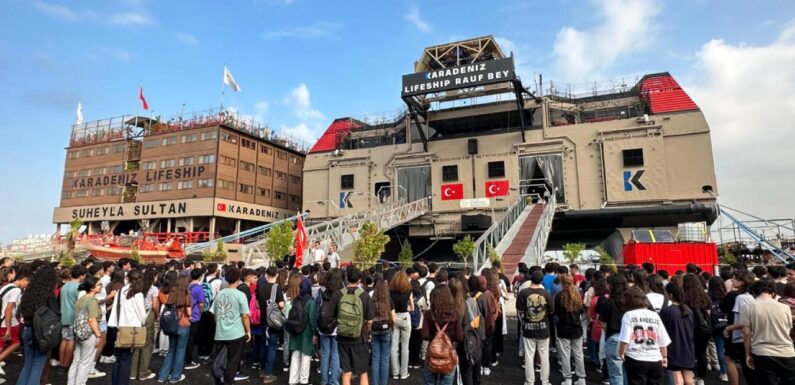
(300, 241)
(497, 188)
(452, 191)
(221, 207)
(142, 98)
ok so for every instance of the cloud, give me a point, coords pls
(414, 18)
(745, 92)
(318, 30)
(187, 39)
(298, 100)
(137, 16)
(625, 26)
(105, 54)
(302, 131)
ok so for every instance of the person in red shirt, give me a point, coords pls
(574, 270)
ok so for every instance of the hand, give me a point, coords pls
(621, 357)
(99, 341)
(665, 362)
(7, 335)
(248, 336)
(726, 333)
(314, 340)
(750, 362)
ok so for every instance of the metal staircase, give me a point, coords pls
(343, 231)
(779, 253)
(250, 235)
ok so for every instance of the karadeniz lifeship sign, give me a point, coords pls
(463, 76)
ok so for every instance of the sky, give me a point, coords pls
(302, 63)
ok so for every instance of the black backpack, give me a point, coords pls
(327, 320)
(296, 318)
(718, 317)
(169, 320)
(703, 325)
(46, 328)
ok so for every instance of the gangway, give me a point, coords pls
(343, 231)
(250, 235)
(778, 252)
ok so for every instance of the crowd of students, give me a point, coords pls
(638, 326)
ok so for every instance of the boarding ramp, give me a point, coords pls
(343, 231)
(774, 249)
(520, 235)
(250, 235)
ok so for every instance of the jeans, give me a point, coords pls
(329, 361)
(143, 356)
(380, 351)
(437, 379)
(299, 368)
(615, 367)
(234, 350)
(172, 366)
(285, 351)
(593, 351)
(34, 360)
(568, 349)
(269, 358)
(719, 347)
(121, 368)
(83, 361)
(400, 345)
(531, 347)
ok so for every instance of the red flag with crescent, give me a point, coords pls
(452, 191)
(496, 188)
(300, 241)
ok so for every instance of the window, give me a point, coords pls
(264, 171)
(281, 155)
(186, 161)
(346, 181)
(204, 159)
(264, 192)
(99, 171)
(70, 174)
(150, 143)
(184, 185)
(86, 153)
(188, 138)
(149, 165)
(165, 186)
(101, 151)
(145, 188)
(295, 198)
(450, 173)
(68, 195)
(295, 160)
(496, 169)
(248, 144)
(208, 135)
(115, 169)
(204, 183)
(246, 188)
(295, 179)
(281, 175)
(278, 195)
(246, 166)
(170, 141)
(74, 154)
(264, 149)
(83, 193)
(226, 185)
(117, 148)
(115, 190)
(97, 192)
(227, 137)
(633, 157)
(166, 163)
(85, 172)
(227, 161)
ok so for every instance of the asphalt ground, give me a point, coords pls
(508, 372)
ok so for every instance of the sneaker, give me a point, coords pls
(2, 380)
(191, 365)
(486, 371)
(155, 350)
(133, 377)
(553, 350)
(2, 372)
(241, 377)
(581, 381)
(566, 382)
(269, 378)
(286, 369)
(96, 374)
(147, 377)
(495, 363)
(61, 370)
(107, 359)
(404, 377)
(605, 382)
(395, 377)
(699, 381)
(181, 378)
(723, 377)
(521, 354)
(54, 362)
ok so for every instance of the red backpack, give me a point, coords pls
(253, 308)
(441, 357)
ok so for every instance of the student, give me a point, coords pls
(327, 328)
(143, 356)
(766, 327)
(268, 290)
(292, 293)
(128, 310)
(176, 294)
(678, 320)
(86, 350)
(610, 312)
(442, 315)
(381, 332)
(353, 344)
(197, 299)
(717, 293)
(68, 299)
(643, 341)
(333, 258)
(534, 307)
(10, 295)
(697, 300)
(232, 328)
(40, 293)
(733, 305)
(302, 346)
(400, 294)
(568, 312)
(470, 320)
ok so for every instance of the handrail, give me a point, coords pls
(776, 251)
(236, 236)
(492, 236)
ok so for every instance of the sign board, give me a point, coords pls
(463, 76)
(137, 210)
(475, 203)
(250, 211)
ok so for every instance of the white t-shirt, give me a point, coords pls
(318, 255)
(12, 295)
(334, 260)
(739, 310)
(105, 280)
(643, 332)
(656, 300)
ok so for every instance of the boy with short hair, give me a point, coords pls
(354, 352)
(232, 328)
(534, 307)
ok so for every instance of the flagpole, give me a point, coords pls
(222, 88)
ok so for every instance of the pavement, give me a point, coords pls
(508, 372)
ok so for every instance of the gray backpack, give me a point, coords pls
(274, 315)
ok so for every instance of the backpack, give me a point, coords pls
(80, 327)
(169, 320)
(441, 357)
(297, 318)
(703, 327)
(416, 314)
(718, 318)
(350, 314)
(46, 328)
(327, 320)
(253, 310)
(275, 317)
(472, 347)
(381, 326)
(208, 293)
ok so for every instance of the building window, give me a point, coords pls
(295, 179)
(97, 192)
(68, 195)
(186, 161)
(184, 185)
(264, 171)
(101, 151)
(295, 198)
(188, 138)
(150, 143)
(115, 190)
(204, 183)
(278, 195)
(346, 181)
(204, 159)
(295, 160)
(264, 149)
(281, 175)
(496, 169)
(149, 165)
(226, 185)
(227, 161)
(246, 166)
(264, 192)
(86, 153)
(171, 140)
(450, 173)
(117, 148)
(248, 144)
(633, 157)
(83, 173)
(227, 137)
(70, 174)
(208, 135)
(246, 188)
(165, 186)
(281, 155)
(145, 188)
(99, 171)
(167, 163)
(74, 154)
(83, 193)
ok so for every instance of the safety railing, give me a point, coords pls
(236, 237)
(497, 231)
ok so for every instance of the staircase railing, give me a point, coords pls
(538, 244)
(246, 234)
(775, 250)
(497, 230)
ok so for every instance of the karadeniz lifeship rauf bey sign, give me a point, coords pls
(463, 76)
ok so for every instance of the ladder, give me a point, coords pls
(343, 231)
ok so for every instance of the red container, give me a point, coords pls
(672, 256)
